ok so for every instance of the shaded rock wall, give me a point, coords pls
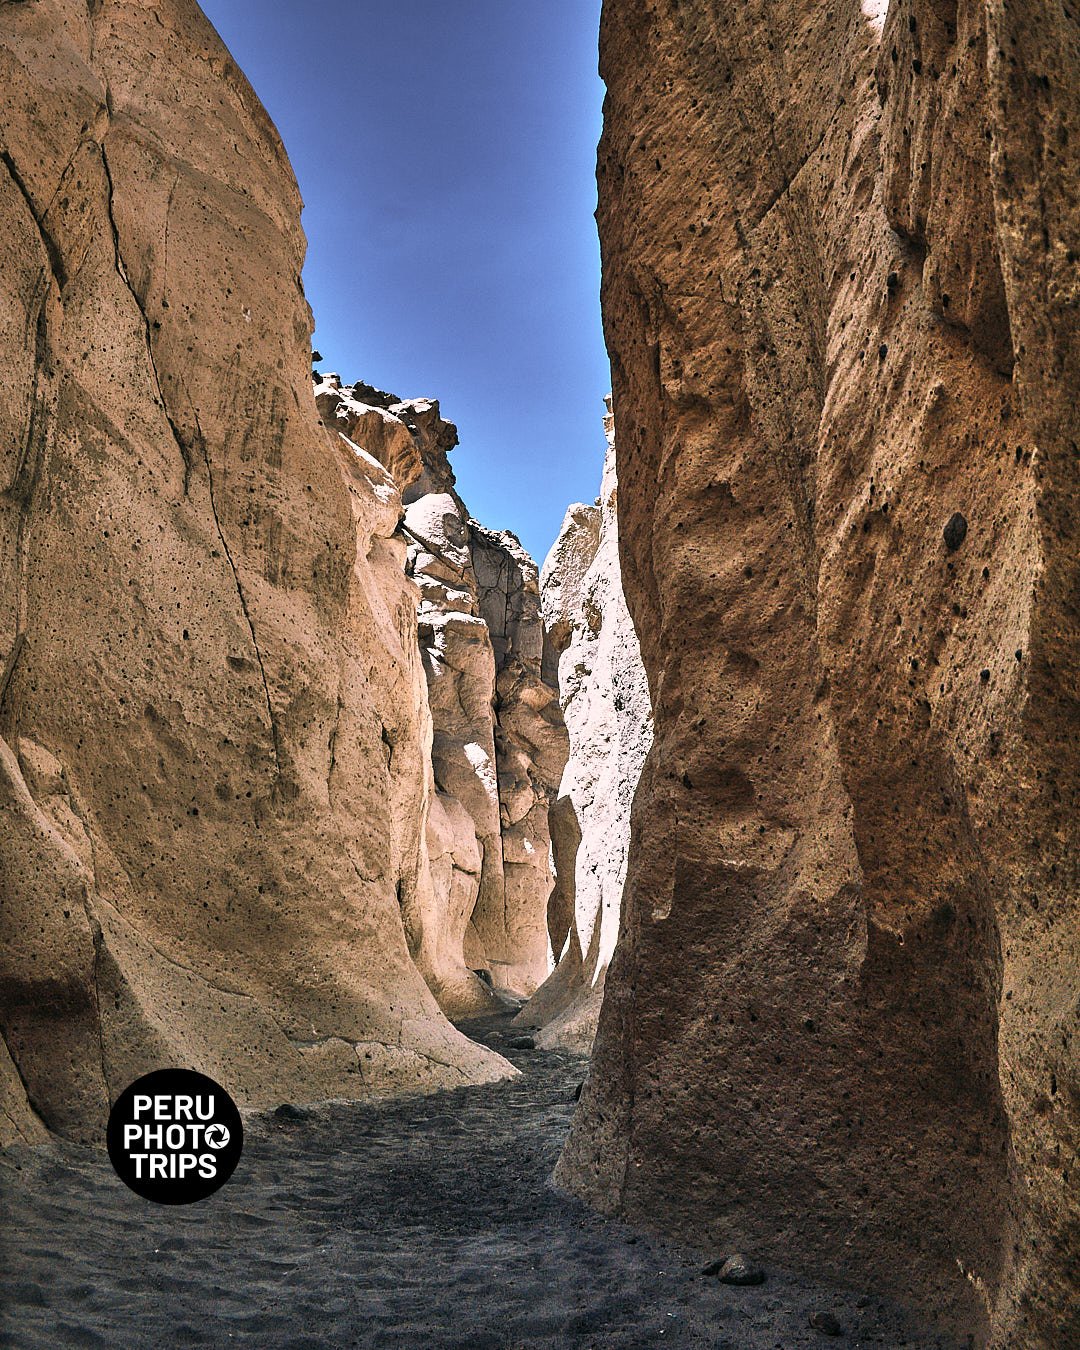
(840, 287)
(212, 749)
(498, 743)
(605, 703)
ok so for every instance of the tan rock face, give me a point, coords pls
(213, 762)
(530, 753)
(498, 741)
(605, 703)
(840, 295)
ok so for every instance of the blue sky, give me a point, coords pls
(445, 150)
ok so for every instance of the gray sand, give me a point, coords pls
(424, 1224)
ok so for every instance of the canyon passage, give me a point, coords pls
(563, 931)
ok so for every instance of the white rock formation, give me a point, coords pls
(605, 702)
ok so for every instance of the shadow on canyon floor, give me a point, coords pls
(417, 1224)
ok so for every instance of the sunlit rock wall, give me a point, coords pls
(212, 707)
(498, 741)
(605, 702)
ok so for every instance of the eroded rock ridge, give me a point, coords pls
(498, 744)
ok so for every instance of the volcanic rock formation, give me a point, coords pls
(840, 293)
(605, 703)
(213, 712)
(499, 745)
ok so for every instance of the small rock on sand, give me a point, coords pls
(287, 1111)
(826, 1323)
(735, 1269)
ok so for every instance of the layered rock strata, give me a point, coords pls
(605, 703)
(498, 741)
(840, 294)
(213, 762)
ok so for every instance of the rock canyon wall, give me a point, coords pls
(280, 733)
(605, 702)
(214, 726)
(498, 744)
(840, 293)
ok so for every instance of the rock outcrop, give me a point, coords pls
(530, 752)
(213, 756)
(840, 293)
(498, 744)
(605, 703)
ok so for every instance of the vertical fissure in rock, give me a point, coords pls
(273, 725)
(48, 243)
(122, 272)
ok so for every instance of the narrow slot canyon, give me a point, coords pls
(668, 941)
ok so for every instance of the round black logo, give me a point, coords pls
(175, 1136)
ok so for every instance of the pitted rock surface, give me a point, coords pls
(212, 708)
(839, 248)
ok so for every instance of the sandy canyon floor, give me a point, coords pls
(418, 1224)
